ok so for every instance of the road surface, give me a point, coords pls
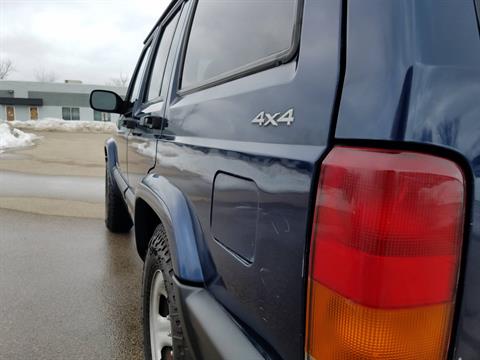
(69, 289)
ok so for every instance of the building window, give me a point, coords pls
(101, 116)
(70, 113)
(75, 113)
(33, 113)
(66, 113)
(10, 110)
(97, 115)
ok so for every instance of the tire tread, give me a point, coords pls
(158, 257)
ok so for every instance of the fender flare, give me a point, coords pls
(173, 210)
(111, 154)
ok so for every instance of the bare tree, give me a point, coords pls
(6, 68)
(43, 75)
(122, 80)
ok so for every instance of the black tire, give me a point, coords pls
(117, 218)
(158, 259)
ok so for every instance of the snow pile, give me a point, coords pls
(146, 148)
(14, 138)
(51, 124)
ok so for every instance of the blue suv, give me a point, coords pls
(302, 176)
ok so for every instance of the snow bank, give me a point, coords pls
(51, 124)
(14, 138)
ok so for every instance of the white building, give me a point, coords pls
(25, 100)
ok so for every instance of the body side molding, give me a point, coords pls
(210, 330)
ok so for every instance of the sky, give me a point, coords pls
(88, 40)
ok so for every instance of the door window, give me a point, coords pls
(161, 57)
(137, 85)
(10, 110)
(229, 36)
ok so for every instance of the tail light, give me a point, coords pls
(385, 255)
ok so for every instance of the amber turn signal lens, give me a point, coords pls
(345, 330)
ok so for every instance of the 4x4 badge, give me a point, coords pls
(265, 119)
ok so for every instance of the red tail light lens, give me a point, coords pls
(385, 251)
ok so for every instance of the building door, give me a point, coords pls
(33, 113)
(10, 113)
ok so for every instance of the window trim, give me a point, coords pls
(271, 61)
(143, 53)
(165, 21)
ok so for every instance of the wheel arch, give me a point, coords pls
(158, 201)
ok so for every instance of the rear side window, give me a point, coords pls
(230, 36)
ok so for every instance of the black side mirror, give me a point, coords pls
(106, 101)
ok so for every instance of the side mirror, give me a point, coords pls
(106, 101)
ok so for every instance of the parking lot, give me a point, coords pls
(69, 288)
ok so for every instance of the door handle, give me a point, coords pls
(154, 122)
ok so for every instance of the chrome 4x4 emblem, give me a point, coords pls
(265, 119)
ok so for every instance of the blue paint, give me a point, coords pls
(413, 74)
(235, 214)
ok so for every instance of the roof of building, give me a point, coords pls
(57, 87)
(20, 101)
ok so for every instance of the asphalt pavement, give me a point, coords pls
(69, 289)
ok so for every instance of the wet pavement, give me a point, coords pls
(80, 188)
(69, 289)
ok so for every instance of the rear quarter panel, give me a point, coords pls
(413, 74)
